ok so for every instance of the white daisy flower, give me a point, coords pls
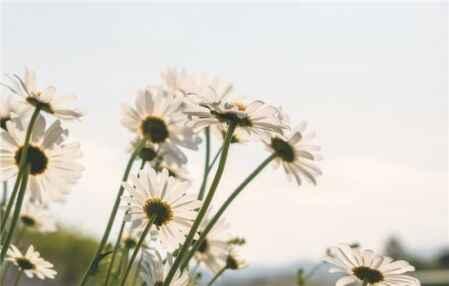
(366, 266)
(296, 155)
(32, 264)
(37, 218)
(155, 270)
(214, 250)
(130, 239)
(255, 118)
(53, 164)
(8, 111)
(174, 170)
(159, 197)
(195, 87)
(46, 99)
(158, 118)
(234, 261)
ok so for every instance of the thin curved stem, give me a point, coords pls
(4, 199)
(214, 160)
(136, 250)
(22, 165)
(114, 253)
(16, 213)
(113, 213)
(205, 205)
(206, 164)
(219, 273)
(224, 206)
(137, 270)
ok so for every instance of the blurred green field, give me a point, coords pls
(70, 251)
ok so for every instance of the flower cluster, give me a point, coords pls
(169, 232)
(41, 162)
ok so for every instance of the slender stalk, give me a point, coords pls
(206, 164)
(214, 160)
(4, 199)
(136, 250)
(123, 261)
(205, 205)
(16, 213)
(22, 165)
(114, 253)
(222, 209)
(113, 213)
(137, 270)
(219, 273)
(19, 275)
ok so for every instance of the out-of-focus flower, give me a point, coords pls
(8, 110)
(295, 154)
(366, 266)
(155, 270)
(196, 88)
(36, 217)
(234, 261)
(214, 249)
(31, 263)
(162, 199)
(53, 163)
(46, 99)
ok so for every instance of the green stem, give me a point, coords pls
(136, 250)
(137, 270)
(22, 165)
(114, 253)
(16, 214)
(19, 275)
(113, 213)
(205, 205)
(365, 283)
(123, 261)
(214, 160)
(206, 164)
(222, 209)
(219, 273)
(4, 199)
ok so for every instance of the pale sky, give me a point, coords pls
(371, 80)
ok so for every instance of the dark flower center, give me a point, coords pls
(232, 117)
(155, 129)
(27, 220)
(368, 275)
(147, 154)
(3, 122)
(204, 246)
(45, 106)
(36, 158)
(24, 264)
(159, 211)
(158, 283)
(231, 263)
(283, 149)
(130, 242)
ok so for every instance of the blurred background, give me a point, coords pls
(371, 79)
